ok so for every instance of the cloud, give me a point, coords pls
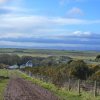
(20, 27)
(21, 22)
(46, 34)
(64, 40)
(32, 44)
(44, 28)
(82, 34)
(2, 1)
(14, 10)
(61, 46)
(35, 28)
(15, 35)
(75, 12)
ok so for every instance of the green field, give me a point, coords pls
(46, 53)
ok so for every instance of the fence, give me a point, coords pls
(80, 85)
(73, 84)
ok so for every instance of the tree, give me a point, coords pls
(79, 69)
(2, 66)
(9, 59)
(25, 59)
(96, 76)
(97, 58)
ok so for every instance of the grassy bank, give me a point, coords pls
(3, 84)
(4, 78)
(63, 93)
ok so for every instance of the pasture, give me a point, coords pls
(46, 52)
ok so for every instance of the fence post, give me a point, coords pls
(95, 88)
(79, 92)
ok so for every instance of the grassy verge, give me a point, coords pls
(3, 85)
(4, 74)
(61, 92)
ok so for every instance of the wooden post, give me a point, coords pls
(95, 88)
(69, 86)
(79, 92)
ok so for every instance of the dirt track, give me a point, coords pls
(20, 89)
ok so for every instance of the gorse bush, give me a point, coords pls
(59, 74)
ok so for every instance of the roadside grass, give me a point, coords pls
(3, 84)
(4, 74)
(62, 93)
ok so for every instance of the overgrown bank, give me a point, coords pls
(63, 93)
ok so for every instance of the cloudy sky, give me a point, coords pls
(50, 24)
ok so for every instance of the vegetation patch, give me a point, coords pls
(4, 78)
(63, 93)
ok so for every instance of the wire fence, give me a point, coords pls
(71, 84)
